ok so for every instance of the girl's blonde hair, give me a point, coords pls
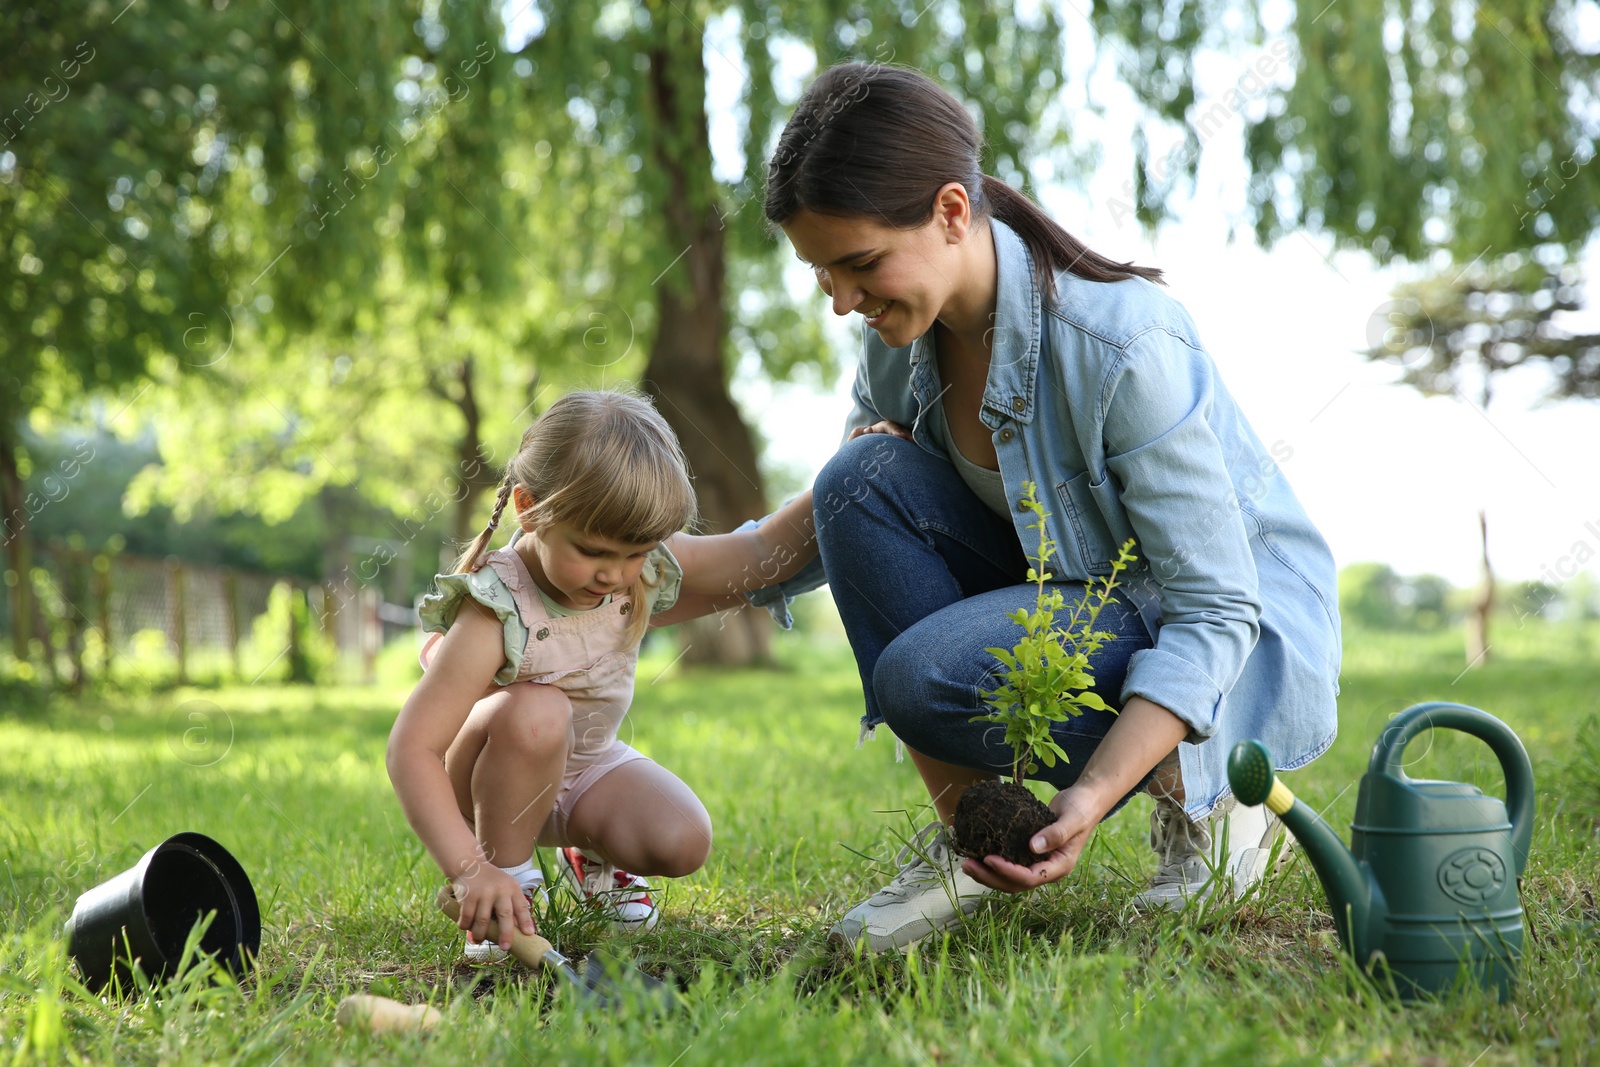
(606, 463)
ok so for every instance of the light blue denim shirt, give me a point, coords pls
(1108, 401)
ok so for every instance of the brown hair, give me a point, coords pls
(607, 463)
(868, 140)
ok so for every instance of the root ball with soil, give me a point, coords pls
(996, 818)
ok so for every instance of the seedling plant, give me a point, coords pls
(1045, 678)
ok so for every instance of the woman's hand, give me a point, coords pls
(1078, 812)
(1144, 733)
(894, 429)
(486, 894)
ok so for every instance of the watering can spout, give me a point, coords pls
(1350, 890)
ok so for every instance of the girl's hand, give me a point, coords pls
(486, 894)
(894, 429)
(1058, 846)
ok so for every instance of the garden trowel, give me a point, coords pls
(602, 981)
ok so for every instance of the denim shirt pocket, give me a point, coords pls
(1082, 514)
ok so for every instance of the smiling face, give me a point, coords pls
(576, 569)
(899, 280)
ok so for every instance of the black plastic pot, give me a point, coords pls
(154, 905)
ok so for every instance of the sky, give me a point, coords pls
(1386, 474)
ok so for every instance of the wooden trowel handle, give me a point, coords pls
(529, 948)
(380, 1015)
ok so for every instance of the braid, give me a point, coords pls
(469, 559)
(500, 503)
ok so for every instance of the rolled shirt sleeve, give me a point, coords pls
(777, 598)
(1176, 490)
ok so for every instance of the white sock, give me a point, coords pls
(527, 874)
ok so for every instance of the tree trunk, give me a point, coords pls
(14, 511)
(338, 573)
(1478, 621)
(74, 588)
(476, 472)
(686, 373)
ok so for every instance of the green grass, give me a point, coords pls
(292, 782)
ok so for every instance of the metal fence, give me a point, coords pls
(93, 609)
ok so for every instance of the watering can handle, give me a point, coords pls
(1507, 747)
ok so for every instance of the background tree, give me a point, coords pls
(637, 75)
(1374, 596)
(323, 147)
(1453, 336)
(1406, 130)
(272, 188)
(1421, 131)
(177, 183)
(109, 227)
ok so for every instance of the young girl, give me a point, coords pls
(510, 738)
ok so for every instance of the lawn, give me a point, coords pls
(292, 782)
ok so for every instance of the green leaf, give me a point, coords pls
(1004, 656)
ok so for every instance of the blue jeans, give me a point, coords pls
(924, 575)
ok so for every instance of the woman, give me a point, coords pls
(997, 349)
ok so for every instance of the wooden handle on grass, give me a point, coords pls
(380, 1015)
(529, 948)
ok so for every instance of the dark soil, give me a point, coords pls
(995, 818)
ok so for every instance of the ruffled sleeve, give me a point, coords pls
(665, 577)
(485, 585)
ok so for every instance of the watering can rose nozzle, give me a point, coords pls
(1250, 775)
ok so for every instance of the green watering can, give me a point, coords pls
(1427, 889)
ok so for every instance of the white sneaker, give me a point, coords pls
(1231, 846)
(487, 953)
(930, 892)
(625, 897)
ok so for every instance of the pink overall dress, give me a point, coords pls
(586, 656)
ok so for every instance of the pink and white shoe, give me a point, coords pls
(625, 897)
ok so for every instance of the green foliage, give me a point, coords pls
(88, 505)
(1375, 596)
(634, 79)
(174, 176)
(1401, 130)
(1047, 677)
(254, 205)
(397, 666)
(1457, 329)
(286, 643)
(1534, 598)
(149, 654)
(332, 234)
(1402, 135)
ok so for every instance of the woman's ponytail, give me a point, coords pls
(1052, 247)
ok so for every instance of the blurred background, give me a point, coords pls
(281, 284)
